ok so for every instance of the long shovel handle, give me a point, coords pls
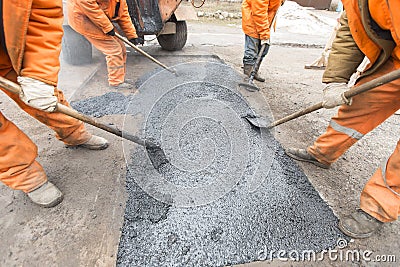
(355, 90)
(16, 89)
(144, 53)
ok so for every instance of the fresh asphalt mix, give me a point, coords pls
(228, 193)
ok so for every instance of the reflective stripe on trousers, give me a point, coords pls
(115, 52)
(351, 123)
(348, 131)
(380, 196)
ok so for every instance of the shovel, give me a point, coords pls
(154, 148)
(145, 54)
(261, 122)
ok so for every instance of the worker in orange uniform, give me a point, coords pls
(257, 18)
(370, 30)
(93, 19)
(30, 35)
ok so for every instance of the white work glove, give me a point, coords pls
(37, 94)
(267, 41)
(334, 95)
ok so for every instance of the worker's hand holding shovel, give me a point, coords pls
(334, 95)
(266, 42)
(111, 33)
(37, 94)
(137, 41)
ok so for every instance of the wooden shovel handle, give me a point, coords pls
(355, 90)
(144, 53)
(16, 89)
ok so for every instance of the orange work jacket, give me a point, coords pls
(93, 17)
(386, 13)
(257, 16)
(33, 33)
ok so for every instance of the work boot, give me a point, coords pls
(123, 86)
(303, 155)
(247, 71)
(359, 224)
(95, 143)
(47, 195)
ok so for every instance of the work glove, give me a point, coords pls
(137, 41)
(37, 94)
(266, 41)
(334, 95)
(111, 33)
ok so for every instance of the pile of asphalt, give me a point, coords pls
(228, 195)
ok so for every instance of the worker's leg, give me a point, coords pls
(381, 195)
(69, 130)
(379, 203)
(251, 48)
(115, 53)
(367, 111)
(18, 167)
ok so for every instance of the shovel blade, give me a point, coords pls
(249, 86)
(157, 156)
(258, 122)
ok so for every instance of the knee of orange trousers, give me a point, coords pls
(116, 63)
(69, 130)
(115, 52)
(378, 201)
(18, 168)
(116, 69)
(330, 146)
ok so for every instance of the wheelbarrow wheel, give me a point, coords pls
(174, 42)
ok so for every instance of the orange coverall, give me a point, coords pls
(32, 34)
(92, 19)
(257, 16)
(381, 195)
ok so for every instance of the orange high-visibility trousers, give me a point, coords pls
(18, 168)
(115, 52)
(380, 197)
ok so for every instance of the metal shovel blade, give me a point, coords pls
(158, 157)
(249, 86)
(259, 122)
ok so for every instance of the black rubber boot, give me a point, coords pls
(359, 224)
(302, 155)
(247, 71)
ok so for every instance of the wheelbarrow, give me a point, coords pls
(164, 18)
